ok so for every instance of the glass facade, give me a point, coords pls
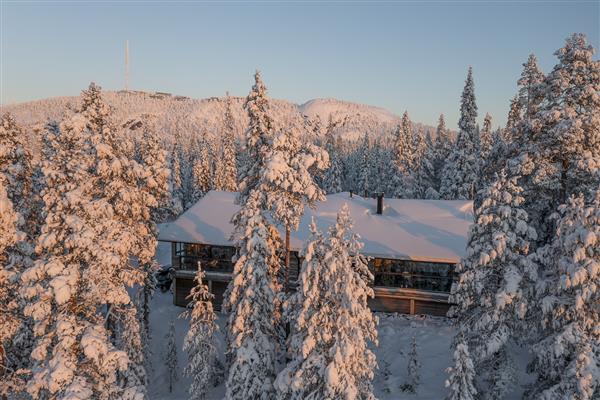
(436, 277)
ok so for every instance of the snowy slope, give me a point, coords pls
(185, 115)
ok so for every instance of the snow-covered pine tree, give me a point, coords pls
(203, 365)
(462, 375)
(561, 141)
(413, 368)
(530, 85)
(71, 280)
(461, 170)
(571, 138)
(364, 167)
(514, 116)
(287, 179)
(171, 357)
(567, 359)
(491, 295)
(332, 321)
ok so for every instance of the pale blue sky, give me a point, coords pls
(394, 54)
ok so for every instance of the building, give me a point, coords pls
(413, 246)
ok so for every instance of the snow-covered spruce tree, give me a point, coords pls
(462, 375)
(419, 146)
(332, 179)
(436, 157)
(254, 329)
(155, 182)
(175, 177)
(485, 137)
(426, 185)
(491, 295)
(171, 357)
(567, 358)
(17, 170)
(487, 163)
(16, 173)
(9, 305)
(199, 343)
(259, 135)
(228, 170)
(134, 190)
(72, 279)
(153, 208)
(201, 170)
(461, 170)
(401, 182)
(364, 167)
(332, 321)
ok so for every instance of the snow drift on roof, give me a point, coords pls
(425, 230)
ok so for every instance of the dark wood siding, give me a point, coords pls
(183, 286)
(431, 308)
(218, 290)
(390, 304)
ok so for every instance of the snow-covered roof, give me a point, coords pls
(424, 230)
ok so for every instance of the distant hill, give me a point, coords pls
(192, 116)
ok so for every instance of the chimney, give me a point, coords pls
(380, 203)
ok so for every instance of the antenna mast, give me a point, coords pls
(127, 65)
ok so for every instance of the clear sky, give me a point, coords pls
(398, 55)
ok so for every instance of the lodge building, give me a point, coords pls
(413, 246)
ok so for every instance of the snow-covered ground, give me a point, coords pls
(395, 331)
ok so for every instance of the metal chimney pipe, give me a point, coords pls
(380, 203)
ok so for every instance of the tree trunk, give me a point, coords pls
(287, 258)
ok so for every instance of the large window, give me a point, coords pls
(412, 274)
(218, 258)
(212, 258)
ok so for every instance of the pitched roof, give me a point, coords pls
(424, 230)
